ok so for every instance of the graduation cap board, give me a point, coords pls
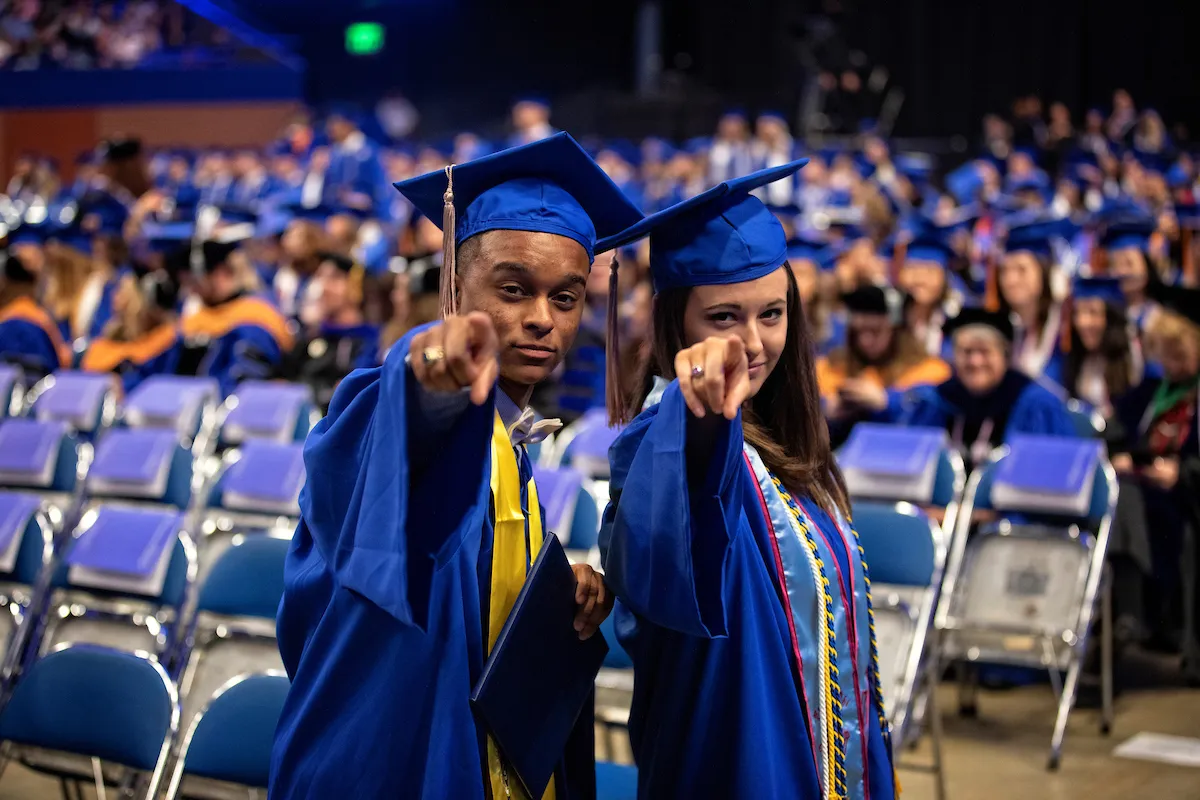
(549, 186)
(265, 410)
(266, 479)
(168, 401)
(133, 463)
(29, 452)
(16, 514)
(125, 550)
(76, 398)
(892, 463)
(558, 491)
(1050, 474)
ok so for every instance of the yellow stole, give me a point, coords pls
(508, 574)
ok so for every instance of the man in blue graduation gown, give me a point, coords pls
(419, 518)
(986, 400)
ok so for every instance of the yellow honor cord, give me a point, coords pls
(509, 566)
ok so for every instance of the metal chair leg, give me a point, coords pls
(1065, 703)
(1106, 658)
(968, 689)
(935, 737)
(98, 777)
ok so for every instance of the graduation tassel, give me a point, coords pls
(899, 255)
(614, 391)
(1096, 258)
(991, 292)
(1066, 311)
(448, 286)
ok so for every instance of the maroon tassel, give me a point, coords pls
(448, 286)
(614, 390)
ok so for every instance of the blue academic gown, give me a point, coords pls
(25, 342)
(382, 593)
(248, 345)
(720, 707)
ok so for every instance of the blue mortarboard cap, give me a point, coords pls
(656, 149)
(1100, 288)
(809, 247)
(722, 236)
(533, 99)
(1033, 182)
(1153, 162)
(314, 213)
(697, 145)
(548, 186)
(273, 222)
(1177, 176)
(917, 167)
(787, 210)
(1188, 216)
(773, 113)
(345, 111)
(102, 214)
(965, 182)
(734, 111)
(1037, 236)
(1130, 232)
(931, 247)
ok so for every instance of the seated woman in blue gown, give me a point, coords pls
(142, 338)
(744, 601)
(987, 399)
(1103, 359)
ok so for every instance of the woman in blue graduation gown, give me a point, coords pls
(29, 336)
(986, 400)
(142, 338)
(1103, 359)
(419, 516)
(744, 600)
(1025, 289)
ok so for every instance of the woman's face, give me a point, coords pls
(925, 281)
(755, 312)
(1129, 265)
(979, 359)
(805, 273)
(295, 242)
(335, 289)
(1020, 279)
(1179, 357)
(871, 335)
(1090, 319)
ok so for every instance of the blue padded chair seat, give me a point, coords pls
(247, 580)
(18, 517)
(95, 702)
(615, 781)
(164, 401)
(270, 410)
(899, 547)
(232, 740)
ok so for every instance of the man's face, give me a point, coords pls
(532, 286)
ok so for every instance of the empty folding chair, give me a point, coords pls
(912, 465)
(186, 405)
(584, 445)
(140, 467)
(45, 459)
(86, 401)
(256, 488)
(230, 740)
(12, 390)
(234, 630)
(906, 554)
(26, 548)
(569, 508)
(1023, 591)
(278, 412)
(88, 713)
(122, 582)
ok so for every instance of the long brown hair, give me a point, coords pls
(783, 422)
(67, 273)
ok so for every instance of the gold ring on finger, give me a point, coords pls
(432, 355)
(697, 370)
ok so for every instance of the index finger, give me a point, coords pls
(481, 335)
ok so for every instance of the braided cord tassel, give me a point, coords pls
(834, 740)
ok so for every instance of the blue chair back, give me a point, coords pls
(231, 739)
(120, 453)
(96, 702)
(164, 401)
(9, 377)
(899, 543)
(265, 409)
(585, 527)
(77, 398)
(557, 490)
(247, 580)
(945, 488)
(616, 781)
(1082, 422)
(617, 658)
(18, 516)
(18, 435)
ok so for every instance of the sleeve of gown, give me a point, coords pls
(1039, 411)
(919, 406)
(664, 541)
(363, 476)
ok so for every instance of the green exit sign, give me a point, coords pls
(364, 38)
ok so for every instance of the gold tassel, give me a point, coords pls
(991, 292)
(1189, 264)
(448, 286)
(899, 256)
(1067, 311)
(1097, 258)
(614, 392)
(356, 283)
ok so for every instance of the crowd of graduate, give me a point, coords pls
(1063, 255)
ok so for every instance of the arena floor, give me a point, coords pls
(1002, 754)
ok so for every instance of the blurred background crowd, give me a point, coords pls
(1073, 225)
